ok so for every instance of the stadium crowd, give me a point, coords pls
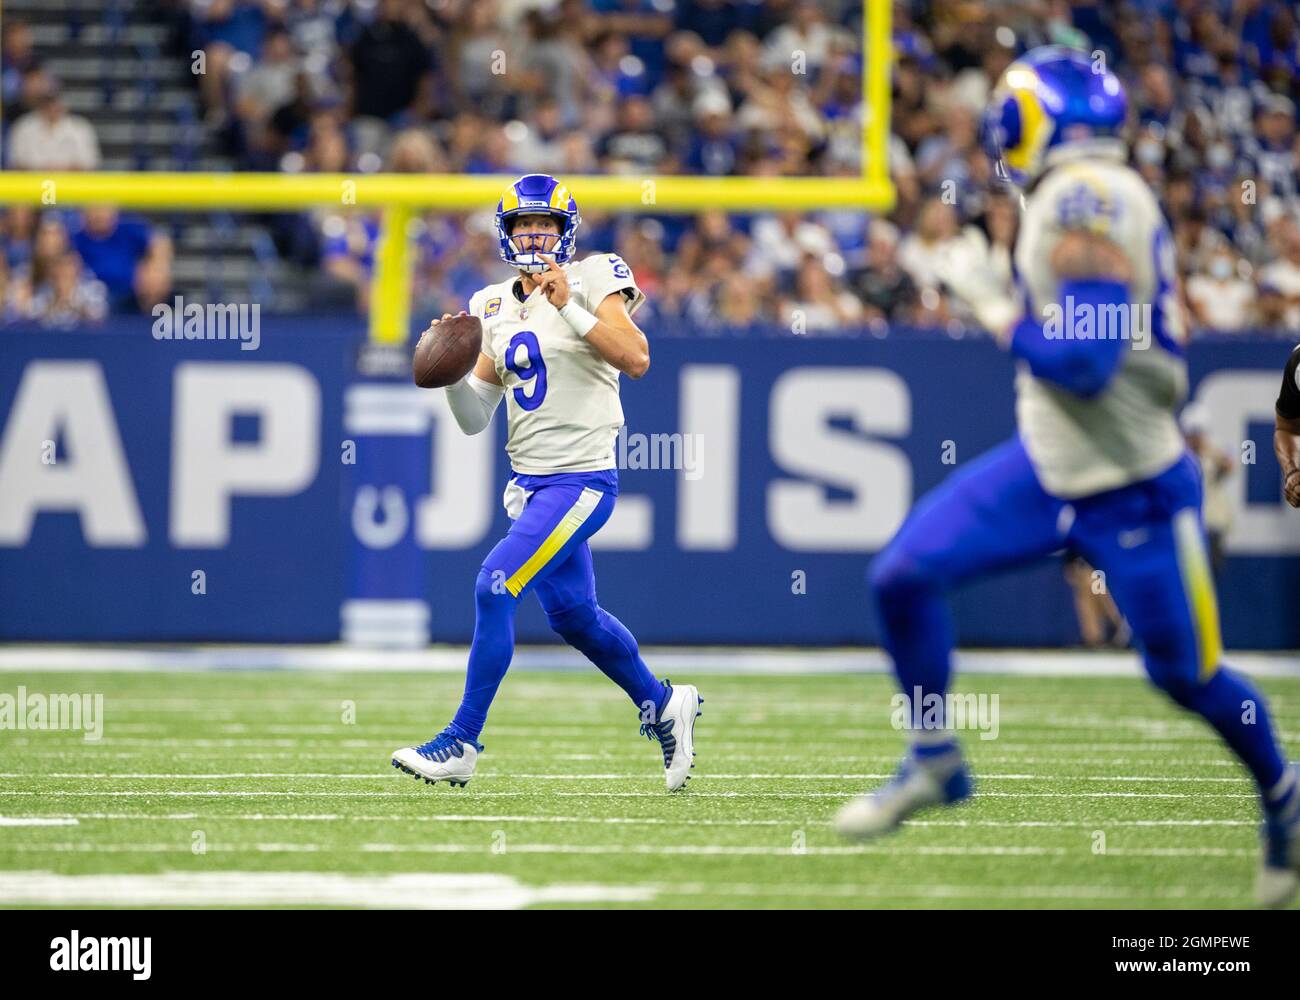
(719, 87)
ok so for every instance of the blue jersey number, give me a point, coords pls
(534, 370)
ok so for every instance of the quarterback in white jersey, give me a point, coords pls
(566, 415)
(1098, 466)
(556, 337)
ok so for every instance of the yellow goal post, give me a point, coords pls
(401, 196)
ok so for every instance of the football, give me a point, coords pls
(447, 351)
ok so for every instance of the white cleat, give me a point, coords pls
(913, 788)
(446, 757)
(1276, 887)
(676, 733)
(1279, 871)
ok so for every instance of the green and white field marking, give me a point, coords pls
(246, 788)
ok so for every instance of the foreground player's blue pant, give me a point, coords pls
(546, 550)
(1145, 537)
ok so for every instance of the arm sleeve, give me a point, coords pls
(607, 273)
(1288, 401)
(473, 401)
(1083, 367)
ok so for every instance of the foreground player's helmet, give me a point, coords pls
(1049, 97)
(538, 194)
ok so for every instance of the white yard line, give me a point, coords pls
(451, 891)
(607, 820)
(601, 776)
(707, 660)
(37, 821)
(263, 889)
(481, 793)
(983, 891)
(652, 850)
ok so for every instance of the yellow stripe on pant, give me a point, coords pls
(1198, 585)
(561, 533)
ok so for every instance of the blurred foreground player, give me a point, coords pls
(1099, 466)
(1286, 438)
(555, 338)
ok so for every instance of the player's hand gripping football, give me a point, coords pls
(445, 316)
(554, 284)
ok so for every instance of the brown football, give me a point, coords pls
(447, 351)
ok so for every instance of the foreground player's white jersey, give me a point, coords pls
(1128, 432)
(561, 395)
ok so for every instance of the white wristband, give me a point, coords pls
(578, 318)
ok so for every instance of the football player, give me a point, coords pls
(555, 338)
(1098, 466)
(1286, 438)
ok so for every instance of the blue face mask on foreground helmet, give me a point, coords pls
(1050, 98)
(537, 194)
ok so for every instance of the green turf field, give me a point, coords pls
(207, 773)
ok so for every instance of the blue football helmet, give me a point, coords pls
(537, 194)
(1049, 97)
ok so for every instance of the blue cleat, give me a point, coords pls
(917, 785)
(446, 757)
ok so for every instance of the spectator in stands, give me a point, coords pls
(1222, 297)
(17, 234)
(714, 148)
(390, 66)
(888, 293)
(1271, 151)
(151, 286)
(782, 241)
(820, 303)
(938, 237)
(113, 247)
(229, 33)
(272, 83)
(543, 150)
(15, 295)
(1280, 280)
(17, 58)
(735, 306)
(69, 298)
(49, 243)
(636, 146)
(49, 137)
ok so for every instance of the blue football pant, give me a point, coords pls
(1146, 538)
(547, 551)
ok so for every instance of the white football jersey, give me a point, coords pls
(1128, 432)
(561, 396)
